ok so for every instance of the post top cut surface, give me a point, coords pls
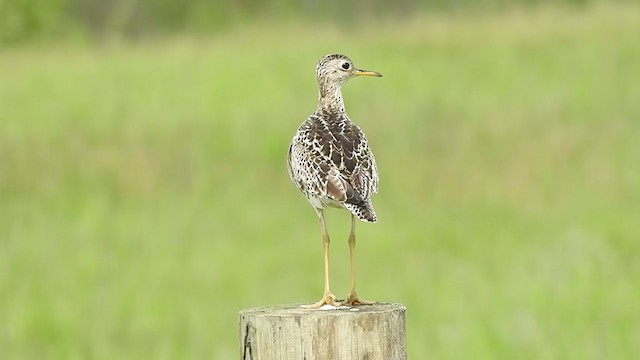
(327, 310)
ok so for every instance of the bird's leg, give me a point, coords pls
(352, 298)
(328, 297)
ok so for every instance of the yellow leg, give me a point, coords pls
(328, 297)
(352, 298)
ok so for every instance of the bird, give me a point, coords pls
(330, 162)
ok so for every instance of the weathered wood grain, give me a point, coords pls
(291, 332)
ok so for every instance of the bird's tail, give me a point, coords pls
(363, 210)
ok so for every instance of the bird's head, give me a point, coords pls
(336, 69)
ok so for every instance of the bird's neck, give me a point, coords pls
(330, 98)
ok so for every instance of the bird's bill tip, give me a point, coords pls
(359, 72)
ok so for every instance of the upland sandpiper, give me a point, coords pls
(330, 162)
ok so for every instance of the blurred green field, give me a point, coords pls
(144, 197)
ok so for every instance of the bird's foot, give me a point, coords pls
(327, 299)
(353, 299)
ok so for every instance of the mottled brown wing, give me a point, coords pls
(345, 148)
(330, 162)
(360, 166)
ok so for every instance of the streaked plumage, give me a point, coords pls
(330, 161)
(329, 158)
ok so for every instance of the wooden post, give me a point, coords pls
(291, 332)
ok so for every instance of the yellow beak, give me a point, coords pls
(358, 72)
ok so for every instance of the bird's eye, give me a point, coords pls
(346, 65)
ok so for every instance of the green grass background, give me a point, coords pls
(144, 197)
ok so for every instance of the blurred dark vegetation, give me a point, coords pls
(28, 20)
